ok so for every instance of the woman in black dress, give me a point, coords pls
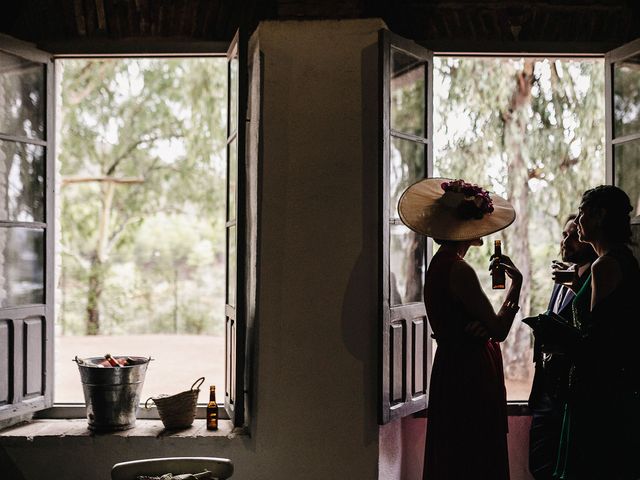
(601, 431)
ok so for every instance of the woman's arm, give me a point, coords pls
(606, 275)
(466, 287)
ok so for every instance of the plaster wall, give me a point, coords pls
(317, 369)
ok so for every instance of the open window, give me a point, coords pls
(406, 157)
(622, 90)
(26, 229)
(406, 138)
(28, 222)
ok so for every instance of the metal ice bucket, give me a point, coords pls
(112, 394)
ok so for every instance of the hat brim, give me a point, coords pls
(421, 211)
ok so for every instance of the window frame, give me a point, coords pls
(628, 50)
(131, 49)
(521, 407)
(235, 315)
(624, 52)
(408, 320)
(77, 410)
(514, 407)
(21, 402)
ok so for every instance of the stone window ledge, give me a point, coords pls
(41, 429)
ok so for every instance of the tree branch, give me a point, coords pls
(95, 80)
(117, 233)
(101, 179)
(128, 150)
(83, 262)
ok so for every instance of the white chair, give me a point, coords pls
(220, 467)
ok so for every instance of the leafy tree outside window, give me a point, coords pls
(141, 165)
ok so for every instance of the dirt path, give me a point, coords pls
(179, 361)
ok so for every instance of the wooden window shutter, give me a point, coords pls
(622, 93)
(405, 143)
(236, 251)
(26, 229)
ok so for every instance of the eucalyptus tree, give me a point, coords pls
(533, 131)
(138, 138)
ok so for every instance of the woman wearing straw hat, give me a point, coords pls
(467, 425)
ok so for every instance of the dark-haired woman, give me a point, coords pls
(601, 430)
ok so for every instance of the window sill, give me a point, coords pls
(66, 411)
(40, 429)
(516, 408)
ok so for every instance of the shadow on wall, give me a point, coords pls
(359, 308)
(8, 467)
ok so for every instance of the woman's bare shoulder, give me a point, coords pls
(606, 267)
(461, 270)
(606, 274)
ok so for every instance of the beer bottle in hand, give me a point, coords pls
(212, 410)
(497, 272)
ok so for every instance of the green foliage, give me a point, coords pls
(562, 145)
(160, 123)
(531, 130)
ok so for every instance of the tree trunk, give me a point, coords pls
(516, 362)
(96, 284)
(175, 299)
(97, 268)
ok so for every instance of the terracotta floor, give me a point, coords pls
(179, 361)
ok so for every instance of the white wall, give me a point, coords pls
(316, 403)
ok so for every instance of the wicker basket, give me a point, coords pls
(179, 410)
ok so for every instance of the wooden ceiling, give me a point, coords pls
(603, 22)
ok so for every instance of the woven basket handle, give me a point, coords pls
(198, 382)
(145, 403)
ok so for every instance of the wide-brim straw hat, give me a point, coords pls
(422, 210)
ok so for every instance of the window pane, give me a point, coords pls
(407, 166)
(22, 97)
(233, 177)
(406, 265)
(233, 95)
(22, 181)
(22, 272)
(627, 171)
(407, 93)
(626, 97)
(231, 266)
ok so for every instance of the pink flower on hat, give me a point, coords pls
(474, 201)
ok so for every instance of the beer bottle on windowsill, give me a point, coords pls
(212, 410)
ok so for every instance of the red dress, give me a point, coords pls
(467, 416)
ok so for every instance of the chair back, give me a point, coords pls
(221, 468)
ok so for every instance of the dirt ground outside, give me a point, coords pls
(178, 361)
